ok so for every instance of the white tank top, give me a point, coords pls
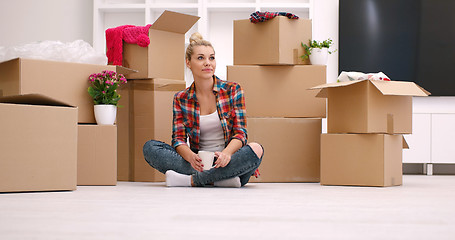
(212, 136)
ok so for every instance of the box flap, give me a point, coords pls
(399, 88)
(323, 88)
(125, 70)
(405, 144)
(174, 22)
(33, 99)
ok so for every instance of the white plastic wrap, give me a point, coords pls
(353, 76)
(78, 51)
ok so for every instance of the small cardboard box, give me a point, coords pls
(280, 91)
(274, 42)
(362, 159)
(146, 115)
(164, 57)
(38, 144)
(65, 81)
(97, 155)
(291, 148)
(370, 106)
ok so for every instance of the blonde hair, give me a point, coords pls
(196, 39)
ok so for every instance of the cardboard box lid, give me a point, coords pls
(396, 88)
(174, 22)
(33, 99)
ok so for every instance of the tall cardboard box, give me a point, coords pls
(65, 81)
(38, 144)
(370, 106)
(362, 159)
(164, 57)
(97, 155)
(280, 91)
(291, 148)
(149, 110)
(274, 42)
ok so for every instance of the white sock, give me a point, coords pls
(230, 182)
(175, 179)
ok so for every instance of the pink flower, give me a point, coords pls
(104, 92)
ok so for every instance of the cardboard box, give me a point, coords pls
(164, 57)
(97, 155)
(291, 148)
(280, 91)
(65, 81)
(147, 114)
(362, 159)
(38, 143)
(274, 42)
(370, 106)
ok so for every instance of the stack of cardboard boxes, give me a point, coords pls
(49, 136)
(146, 111)
(363, 144)
(49, 139)
(282, 114)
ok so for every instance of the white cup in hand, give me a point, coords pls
(207, 159)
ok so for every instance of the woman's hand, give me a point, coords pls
(223, 159)
(190, 156)
(195, 161)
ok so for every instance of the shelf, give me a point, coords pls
(121, 8)
(230, 5)
(173, 6)
(111, 12)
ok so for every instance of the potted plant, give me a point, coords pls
(317, 51)
(103, 90)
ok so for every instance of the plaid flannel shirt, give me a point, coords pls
(230, 103)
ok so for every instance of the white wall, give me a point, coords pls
(325, 25)
(26, 21)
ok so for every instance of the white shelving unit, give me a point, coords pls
(433, 131)
(215, 23)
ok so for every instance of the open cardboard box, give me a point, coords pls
(274, 42)
(65, 81)
(97, 155)
(370, 106)
(146, 114)
(291, 148)
(362, 159)
(38, 144)
(164, 57)
(280, 91)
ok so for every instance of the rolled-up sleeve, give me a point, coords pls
(179, 134)
(239, 123)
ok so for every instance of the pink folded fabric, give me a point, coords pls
(128, 33)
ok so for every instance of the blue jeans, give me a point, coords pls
(163, 157)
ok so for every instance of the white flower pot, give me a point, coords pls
(319, 56)
(105, 114)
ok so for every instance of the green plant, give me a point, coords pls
(104, 87)
(316, 44)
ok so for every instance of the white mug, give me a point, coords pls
(207, 159)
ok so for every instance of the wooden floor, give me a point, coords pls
(423, 208)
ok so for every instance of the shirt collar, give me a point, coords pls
(217, 85)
